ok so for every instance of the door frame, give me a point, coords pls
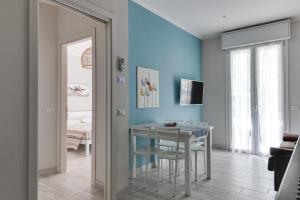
(92, 11)
(62, 99)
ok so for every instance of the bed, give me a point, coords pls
(79, 132)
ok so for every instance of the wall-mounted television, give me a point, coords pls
(191, 92)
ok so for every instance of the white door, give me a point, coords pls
(256, 98)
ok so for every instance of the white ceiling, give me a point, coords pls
(208, 18)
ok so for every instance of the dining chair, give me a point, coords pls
(147, 151)
(198, 145)
(175, 154)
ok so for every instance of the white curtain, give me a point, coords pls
(240, 81)
(270, 96)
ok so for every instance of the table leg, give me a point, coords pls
(187, 174)
(133, 157)
(87, 148)
(208, 153)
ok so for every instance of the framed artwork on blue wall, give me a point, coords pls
(147, 88)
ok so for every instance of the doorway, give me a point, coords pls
(73, 127)
(77, 132)
(257, 97)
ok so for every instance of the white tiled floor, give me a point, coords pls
(75, 184)
(234, 177)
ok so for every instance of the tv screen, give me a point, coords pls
(191, 92)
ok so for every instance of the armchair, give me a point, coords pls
(280, 157)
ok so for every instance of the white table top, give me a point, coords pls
(198, 130)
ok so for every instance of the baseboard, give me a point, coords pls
(219, 147)
(99, 185)
(47, 171)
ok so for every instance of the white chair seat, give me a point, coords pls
(197, 147)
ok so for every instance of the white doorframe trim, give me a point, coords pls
(91, 10)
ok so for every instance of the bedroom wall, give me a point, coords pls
(214, 64)
(176, 54)
(79, 75)
(47, 80)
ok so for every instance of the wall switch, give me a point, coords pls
(121, 112)
(50, 110)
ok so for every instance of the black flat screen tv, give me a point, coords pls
(191, 92)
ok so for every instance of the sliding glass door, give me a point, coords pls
(240, 71)
(256, 98)
(270, 96)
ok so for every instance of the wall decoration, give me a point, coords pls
(87, 59)
(78, 90)
(147, 88)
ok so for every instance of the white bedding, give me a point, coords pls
(82, 127)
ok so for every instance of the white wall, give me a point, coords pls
(214, 63)
(79, 75)
(214, 68)
(14, 99)
(14, 105)
(47, 80)
(294, 77)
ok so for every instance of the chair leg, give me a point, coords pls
(158, 173)
(175, 177)
(161, 169)
(191, 162)
(170, 170)
(204, 157)
(196, 168)
(132, 167)
(146, 174)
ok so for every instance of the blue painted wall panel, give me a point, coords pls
(176, 54)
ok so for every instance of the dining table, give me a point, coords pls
(191, 132)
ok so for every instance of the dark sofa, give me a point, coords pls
(280, 157)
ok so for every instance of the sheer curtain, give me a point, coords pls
(270, 96)
(240, 81)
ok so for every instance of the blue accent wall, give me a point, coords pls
(176, 54)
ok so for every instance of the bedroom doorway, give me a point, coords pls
(77, 59)
(73, 100)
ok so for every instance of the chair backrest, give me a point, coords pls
(143, 132)
(171, 134)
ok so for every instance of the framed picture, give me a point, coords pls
(147, 88)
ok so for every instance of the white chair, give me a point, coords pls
(170, 134)
(143, 132)
(199, 146)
